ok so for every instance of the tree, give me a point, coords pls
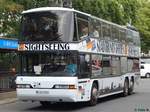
(143, 25)
(10, 11)
(118, 11)
(9, 17)
(130, 9)
(28, 4)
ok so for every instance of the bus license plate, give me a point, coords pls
(42, 92)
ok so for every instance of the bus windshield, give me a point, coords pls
(49, 64)
(48, 25)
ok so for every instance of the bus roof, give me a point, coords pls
(42, 9)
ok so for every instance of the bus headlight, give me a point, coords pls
(23, 86)
(64, 87)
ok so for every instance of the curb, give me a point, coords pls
(8, 100)
(8, 97)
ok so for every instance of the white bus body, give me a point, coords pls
(104, 66)
(42, 91)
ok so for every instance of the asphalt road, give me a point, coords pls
(137, 102)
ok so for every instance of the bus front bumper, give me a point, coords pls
(53, 95)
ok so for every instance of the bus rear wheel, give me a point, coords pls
(131, 89)
(94, 95)
(126, 88)
(147, 75)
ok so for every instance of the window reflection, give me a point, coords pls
(51, 25)
(50, 64)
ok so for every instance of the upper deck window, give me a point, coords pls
(48, 25)
(95, 28)
(106, 31)
(115, 33)
(129, 37)
(83, 29)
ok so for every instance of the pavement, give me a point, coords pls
(8, 97)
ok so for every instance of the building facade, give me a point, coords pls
(8, 63)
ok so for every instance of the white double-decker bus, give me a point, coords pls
(70, 56)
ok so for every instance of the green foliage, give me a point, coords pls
(10, 14)
(9, 17)
(118, 11)
(143, 24)
(28, 4)
(130, 8)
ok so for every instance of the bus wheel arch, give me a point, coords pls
(94, 94)
(96, 82)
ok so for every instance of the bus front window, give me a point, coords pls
(49, 64)
(49, 25)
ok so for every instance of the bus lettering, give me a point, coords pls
(47, 46)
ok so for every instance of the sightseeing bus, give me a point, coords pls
(71, 56)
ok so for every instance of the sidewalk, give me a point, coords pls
(7, 97)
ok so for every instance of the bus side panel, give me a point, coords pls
(111, 85)
(84, 89)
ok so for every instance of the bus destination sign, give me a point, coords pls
(43, 46)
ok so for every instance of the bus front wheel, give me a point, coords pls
(94, 95)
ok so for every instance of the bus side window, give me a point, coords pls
(84, 66)
(115, 33)
(129, 37)
(106, 65)
(106, 31)
(94, 28)
(133, 65)
(136, 66)
(83, 29)
(136, 39)
(116, 68)
(99, 27)
(96, 65)
(122, 35)
(75, 35)
(130, 64)
(123, 65)
(82, 26)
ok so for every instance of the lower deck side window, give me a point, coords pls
(107, 66)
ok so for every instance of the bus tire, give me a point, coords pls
(45, 103)
(94, 95)
(147, 75)
(131, 89)
(126, 88)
